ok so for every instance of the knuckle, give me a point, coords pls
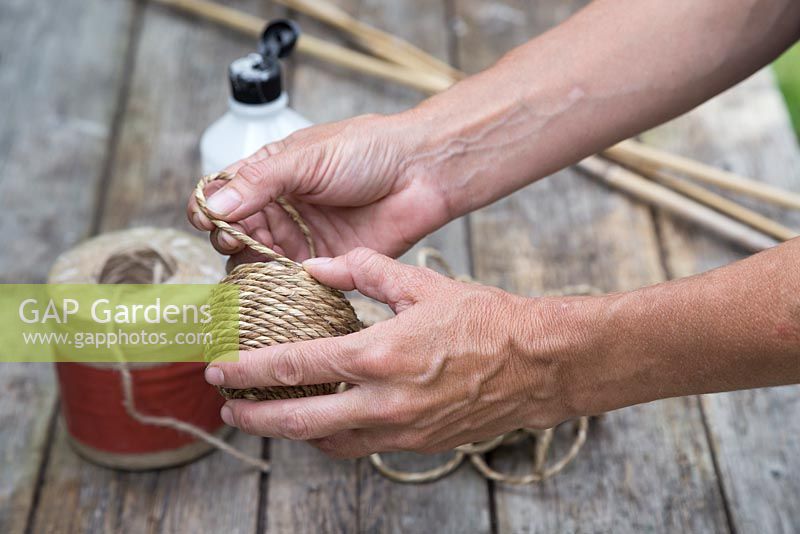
(250, 175)
(374, 364)
(414, 280)
(387, 359)
(258, 154)
(246, 421)
(237, 373)
(294, 425)
(362, 257)
(286, 369)
(275, 148)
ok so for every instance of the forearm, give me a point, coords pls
(735, 327)
(616, 68)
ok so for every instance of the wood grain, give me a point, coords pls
(755, 434)
(306, 490)
(214, 494)
(646, 468)
(178, 86)
(53, 138)
(52, 150)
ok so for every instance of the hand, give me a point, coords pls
(459, 363)
(349, 180)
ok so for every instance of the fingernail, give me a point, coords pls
(317, 261)
(214, 376)
(227, 240)
(225, 201)
(197, 221)
(227, 415)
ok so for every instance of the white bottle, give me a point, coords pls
(258, 111)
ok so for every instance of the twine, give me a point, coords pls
(476, 452)
(139, 257)
(116, 274)
(280, 302)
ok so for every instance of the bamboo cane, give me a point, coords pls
(642, 156)
(628, 152)
(380, 43)
(664, 198)
(338, 55)
(721, 204)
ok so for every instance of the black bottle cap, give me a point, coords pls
(256, 78)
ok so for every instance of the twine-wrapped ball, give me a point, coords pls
(278, 302)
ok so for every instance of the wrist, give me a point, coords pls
(570, 348)
(462, 143)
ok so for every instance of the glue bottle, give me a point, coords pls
(258, 110)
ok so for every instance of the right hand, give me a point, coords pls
(353, 182)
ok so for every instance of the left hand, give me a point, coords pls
(459, 363)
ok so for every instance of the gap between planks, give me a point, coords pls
(123, 93)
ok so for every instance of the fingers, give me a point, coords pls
(256, 226)
(248, 255)
(226, 243)
(193, 213)
(285, 231)
(258, 181)
(266, 151)
(374, 275)
(198, 218)
(299, 419)
(336, 359)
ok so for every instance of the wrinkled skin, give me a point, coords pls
(461, 362)
(350, 183)
(445, 371)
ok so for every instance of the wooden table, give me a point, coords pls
(102, 103)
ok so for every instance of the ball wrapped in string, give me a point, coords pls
(278, 302)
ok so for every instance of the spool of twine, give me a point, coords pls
(141, 416)
(279, 302)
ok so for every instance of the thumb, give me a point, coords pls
(257, 181)
(371, 274)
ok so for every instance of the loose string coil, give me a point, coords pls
(543, 439)
(281, 303)
(129, 399)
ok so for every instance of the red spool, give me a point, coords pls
(98, 422)
(101, 429)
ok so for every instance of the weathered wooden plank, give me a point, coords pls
(306, 490)
(201, 497)
(755, 434)
(53, 137)
(178, 87)
(27, 401)
(52, 149)
(646, 468)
